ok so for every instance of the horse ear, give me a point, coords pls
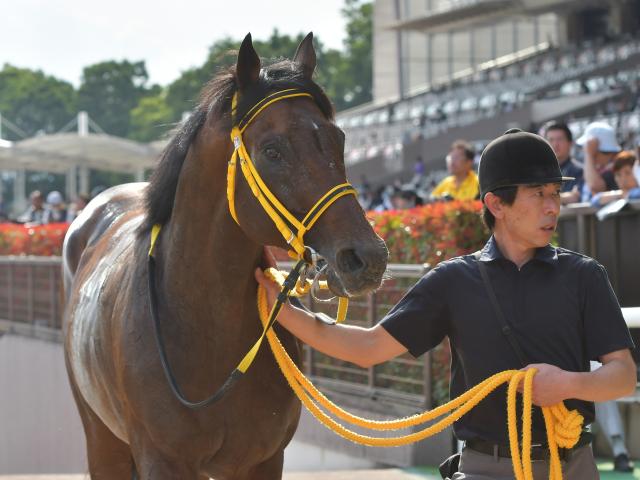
(306, 55)
(248, 66)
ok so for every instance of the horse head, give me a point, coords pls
(298, 152)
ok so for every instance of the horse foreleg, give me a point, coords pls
(270, 469)
(152, 464)
(156, 467)
(109, 457)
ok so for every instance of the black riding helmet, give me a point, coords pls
(518, 158)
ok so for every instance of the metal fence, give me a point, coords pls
(31, 293)
(31, 290)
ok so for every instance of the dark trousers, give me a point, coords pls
(480, 466)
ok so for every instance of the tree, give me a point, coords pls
(183, 93)
(110, 90)
(34, 102)
(151, 118)
(356, 73)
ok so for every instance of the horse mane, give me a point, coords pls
(215, 100)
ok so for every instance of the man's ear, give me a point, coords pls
(494, 204)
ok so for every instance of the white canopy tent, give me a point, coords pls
(74, 154)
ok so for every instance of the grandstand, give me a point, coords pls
(448, 69)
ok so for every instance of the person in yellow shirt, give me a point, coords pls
(462, 184)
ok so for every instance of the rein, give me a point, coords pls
(291, 229)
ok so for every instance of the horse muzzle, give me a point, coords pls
(357, 270)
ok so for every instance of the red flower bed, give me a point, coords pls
(427, 234)
(431, 233)
(42, 240)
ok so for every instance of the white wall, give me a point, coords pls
(40, 430)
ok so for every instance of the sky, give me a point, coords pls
(60, 37)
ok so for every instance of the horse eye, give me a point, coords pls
(272, 154)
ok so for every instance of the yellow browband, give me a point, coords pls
(287, 224)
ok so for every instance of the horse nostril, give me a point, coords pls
(349, 261)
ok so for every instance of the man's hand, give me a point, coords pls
(272, 288)
(592, 147)
(549, 384)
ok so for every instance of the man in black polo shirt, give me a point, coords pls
(560, 305)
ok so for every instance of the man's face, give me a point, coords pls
(560, 143)
(37, 201)
(457, 163)
(625, 178)
(533, 217)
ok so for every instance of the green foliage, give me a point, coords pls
(34, 101)
(356, 74)
(110, 90)
(345, 76)
(150, 119)
(118, 99)
(183, 93)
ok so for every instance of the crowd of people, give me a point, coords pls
(50, 209)
(604, 172)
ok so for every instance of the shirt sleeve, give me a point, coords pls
(605, 328)
(634, 194)
(420, 320)
(440, 189)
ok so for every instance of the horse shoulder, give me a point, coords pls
(95, 221)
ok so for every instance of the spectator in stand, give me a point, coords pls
(462, 184)
(561, 140)
(55, 212)
(600, 148)
(418, 172)
(35, 213)
(383, 200)
(625, 179)
(405, 197)
(76, 207)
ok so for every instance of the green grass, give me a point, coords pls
(606, 472)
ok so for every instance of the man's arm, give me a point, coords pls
(570, 197)
(362, 346)
(616, 378)
(591, 176)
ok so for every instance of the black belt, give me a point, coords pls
(538, 452)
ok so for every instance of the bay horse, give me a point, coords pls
(206, 293)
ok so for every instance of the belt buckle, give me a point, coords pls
(544, 452)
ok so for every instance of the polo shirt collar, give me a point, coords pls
(491, 251)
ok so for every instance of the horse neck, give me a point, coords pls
(207, 260)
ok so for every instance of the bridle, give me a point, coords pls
(291, 229)
(288, 225)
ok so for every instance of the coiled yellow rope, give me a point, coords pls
(563, 426)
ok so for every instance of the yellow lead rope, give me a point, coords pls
(563, 426)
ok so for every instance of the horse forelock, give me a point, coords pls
(215, 104)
